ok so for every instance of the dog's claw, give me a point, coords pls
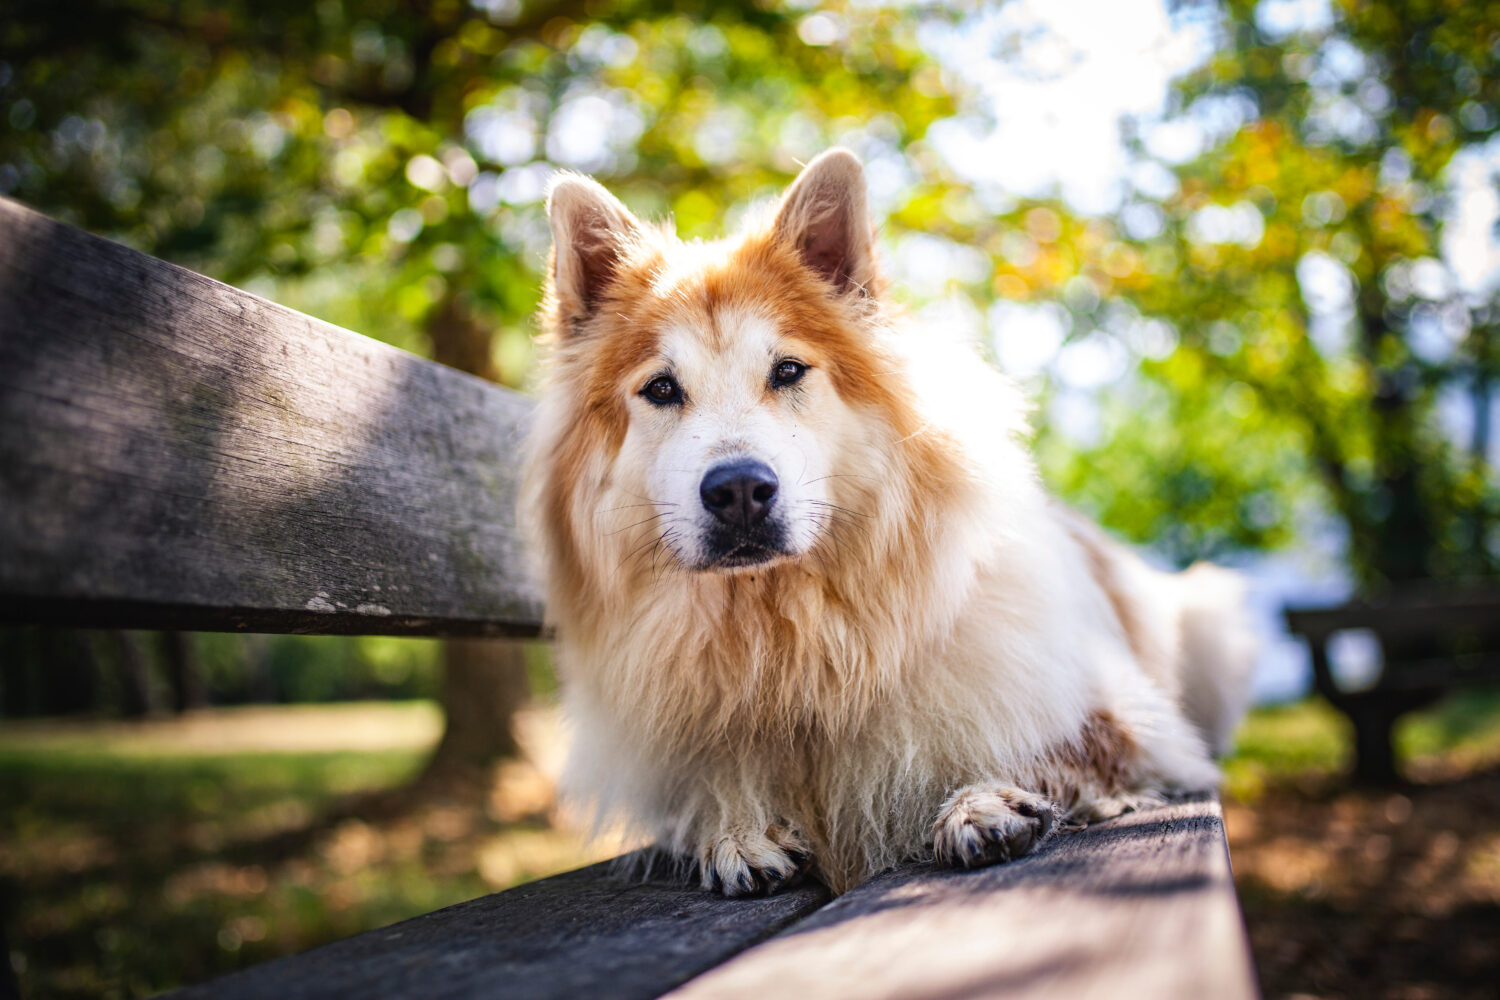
(738, 867)
(986, 825)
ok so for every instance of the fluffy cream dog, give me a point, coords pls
(814, 611)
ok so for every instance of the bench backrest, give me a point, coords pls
(1431, 637)
(1409, 612)
(177, 453)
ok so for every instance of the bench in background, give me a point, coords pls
(175, 453)
(1431, 638)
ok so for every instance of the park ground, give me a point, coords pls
(136, 857)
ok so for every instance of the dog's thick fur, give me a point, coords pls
(919, 653)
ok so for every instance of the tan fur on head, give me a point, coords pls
(915, 617)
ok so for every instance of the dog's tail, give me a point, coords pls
(1217, 648)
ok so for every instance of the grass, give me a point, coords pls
(1466, 726)
(1306, 736)
(135, 875)
(129, 865)
(1310, 739)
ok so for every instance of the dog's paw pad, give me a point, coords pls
(754, 866)
(985, 825)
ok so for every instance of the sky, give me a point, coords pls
(1046, 120)
(1072, 68)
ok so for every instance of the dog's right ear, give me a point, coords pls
(590, 232)
(826, 217)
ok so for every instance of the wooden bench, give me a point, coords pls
(175, 453)
(1431, 638)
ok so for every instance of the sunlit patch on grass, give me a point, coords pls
(1308, 736)
(1310, 740)
(522, 855)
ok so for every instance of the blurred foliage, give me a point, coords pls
(375, 162)
(1291, 329)
(382, 165)
(228, 669)
(1313, 330)
(87, 671)
(278, 668)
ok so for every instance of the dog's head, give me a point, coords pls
(716, 407)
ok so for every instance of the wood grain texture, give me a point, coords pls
(1140, 906)
(588, 933)
(178, 453)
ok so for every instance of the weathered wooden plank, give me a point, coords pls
(588, 933)
(1141, 906)
(178, 453)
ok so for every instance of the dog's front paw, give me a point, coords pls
(988, 824)
(753, 865)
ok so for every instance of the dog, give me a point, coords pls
(814, 612)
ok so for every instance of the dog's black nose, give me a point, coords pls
(739, 493)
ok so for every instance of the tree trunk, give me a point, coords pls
(182, 672)
(1398, 531)
(484, 680)
(70, 672)
(131, 673)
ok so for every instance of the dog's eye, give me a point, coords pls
(786, 372)
(663, 390)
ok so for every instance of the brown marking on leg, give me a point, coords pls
(1095, 763)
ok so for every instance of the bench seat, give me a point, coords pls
(1139, 906)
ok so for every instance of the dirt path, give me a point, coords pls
(1373, 894)
(344, 726)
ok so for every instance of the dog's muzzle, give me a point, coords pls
(741, 496)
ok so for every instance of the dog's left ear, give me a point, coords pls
(826, 216)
